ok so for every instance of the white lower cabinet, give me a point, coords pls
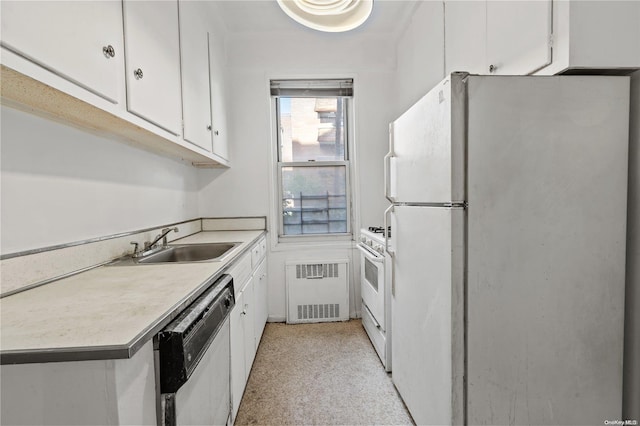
(238, 369)
(248, 311)
(248, 319)
(102, 392)
(260, 297)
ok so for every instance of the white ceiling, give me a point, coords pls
(388, 17)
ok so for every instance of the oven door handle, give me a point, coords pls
(369, 255)
(373, 319)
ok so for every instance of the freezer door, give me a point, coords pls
(426, 158)
(427, 312)
(546, 248)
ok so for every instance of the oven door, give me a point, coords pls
(372, 283)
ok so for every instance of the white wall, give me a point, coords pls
(245, 188)
(631, 405)
(61, 184)
(420, 54)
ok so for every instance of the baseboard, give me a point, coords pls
(276, 319)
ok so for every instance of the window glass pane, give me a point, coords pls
(314, 200)
(312, 129)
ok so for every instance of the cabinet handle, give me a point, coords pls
(216, 133)
(492, 68)
(138, 74)
(209, 127)
(109, 51)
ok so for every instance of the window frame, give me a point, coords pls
(279, 165)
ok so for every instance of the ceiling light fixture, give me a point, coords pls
(328, 15)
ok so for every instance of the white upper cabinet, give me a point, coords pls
(80, 41)
(218, 96)
(597, 35)
(152, 44)
(114, 67)
(465, 36)
(194, 58)
(541, 36)
(518, 36)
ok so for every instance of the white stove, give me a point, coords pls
(373, 238)
(375, 273)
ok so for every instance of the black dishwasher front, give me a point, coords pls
(192, 356)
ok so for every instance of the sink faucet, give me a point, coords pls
(162, 236)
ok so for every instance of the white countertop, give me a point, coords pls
(110, 306)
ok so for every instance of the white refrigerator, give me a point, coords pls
(508, 223)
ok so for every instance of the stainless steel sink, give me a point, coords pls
(190, 253)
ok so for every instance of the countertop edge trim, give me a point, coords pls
(96, 353)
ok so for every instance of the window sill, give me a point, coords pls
(291, 243)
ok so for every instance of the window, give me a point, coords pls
(313, 156)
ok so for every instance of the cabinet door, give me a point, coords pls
(71, 39)
(194, 58)
(518, 36)
(465, 36)
(218, 96)
(260, 297)
(238, 374)
(153, 62)
(249, 321)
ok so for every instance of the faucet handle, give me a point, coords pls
(135, 247)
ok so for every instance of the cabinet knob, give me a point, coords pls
(138, 74)
(492, 68)
(109, 51)
(216, 133)
(209, 127)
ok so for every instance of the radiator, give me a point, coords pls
(317, 291)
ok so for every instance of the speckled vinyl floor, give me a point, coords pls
(319, 374)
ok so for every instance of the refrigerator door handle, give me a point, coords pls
(391, 254)
(387, 212)
(387, 167)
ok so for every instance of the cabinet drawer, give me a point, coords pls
(258, 252)
(263, 247)
(240, 271)
(255, 256)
